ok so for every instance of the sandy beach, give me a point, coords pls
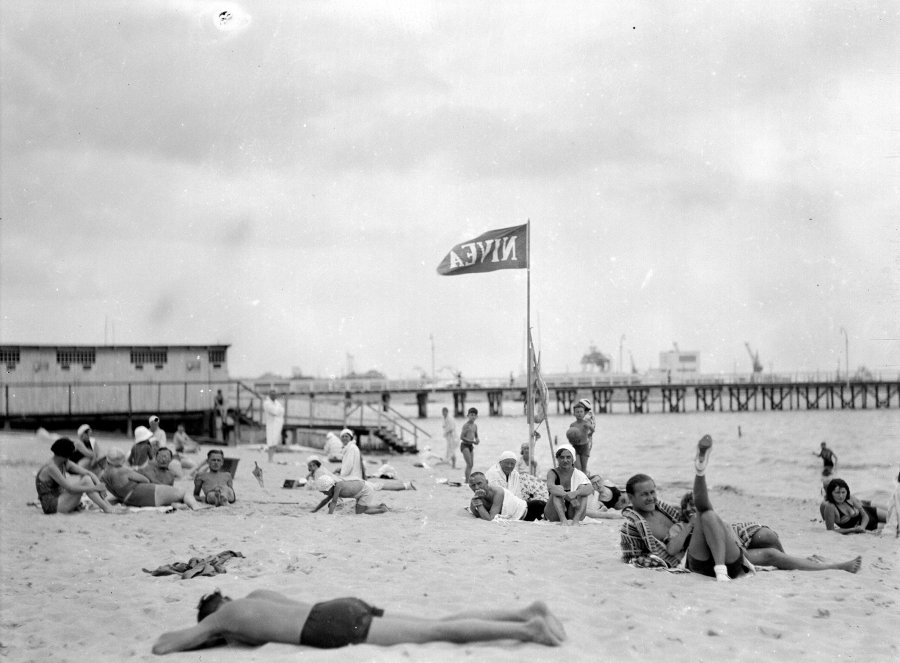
(73, 588)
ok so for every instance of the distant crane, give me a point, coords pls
(754, 357)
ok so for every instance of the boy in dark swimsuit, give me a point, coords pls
(468, 440)
(267, 616)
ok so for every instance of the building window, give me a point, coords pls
(84, 357)
(10, 357)
(155, 356)
(217, 357)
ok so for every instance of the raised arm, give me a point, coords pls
(73, 486)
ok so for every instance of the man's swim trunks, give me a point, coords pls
(338, 623)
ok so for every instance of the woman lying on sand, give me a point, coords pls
(60, 493)
(847, 515)
(266, 616)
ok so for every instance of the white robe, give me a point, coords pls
(274, 412)
(496, 477)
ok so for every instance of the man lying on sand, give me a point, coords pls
(267, 616)
(714, 548)
(492, 502)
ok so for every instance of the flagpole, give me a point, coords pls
(529, 408)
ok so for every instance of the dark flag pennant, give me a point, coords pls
(506, 248)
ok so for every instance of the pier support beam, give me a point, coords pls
(495, 403)
(459, 403)
(385, 401)
(673, 399)
(565, 398)
(422, 403)
(602, 400)
(637, 399)
(707, 397)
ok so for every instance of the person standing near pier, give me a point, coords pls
(274, 413)
(450, 436)
(468, 440)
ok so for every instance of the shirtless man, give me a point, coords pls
(266, 616)
(491, 501)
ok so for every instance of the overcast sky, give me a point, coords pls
(287, 180)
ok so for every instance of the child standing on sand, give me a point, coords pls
(215, 484)
(468, 440)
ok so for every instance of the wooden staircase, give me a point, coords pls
(395, 442)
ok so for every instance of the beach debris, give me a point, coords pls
(258, 474)
(196, 566)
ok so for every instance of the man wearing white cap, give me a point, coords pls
(351, 460)
(274, 415)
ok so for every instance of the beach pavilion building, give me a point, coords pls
(110, 386)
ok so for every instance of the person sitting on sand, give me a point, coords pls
(215, 484)
(845, 514)
(526, 464)
(142, 450)
(158, 470)
(606, 500)
(333, 449)
(361, 491)
(569, 489)
(265, 616)
(762, 547)
(491, 501)
(87, 452)
(134, 489)
(60, 493)
(183, 443)
(503, 473)
(351, 459)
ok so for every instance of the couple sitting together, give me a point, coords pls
(567, 496)
(658, 534)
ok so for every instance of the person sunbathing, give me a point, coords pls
(58, 492)
(762, 547)
(492, 502)
(215, 484)
(266, 616)
(157, 470)
(607, 501)
(134, 489)
(845, 514)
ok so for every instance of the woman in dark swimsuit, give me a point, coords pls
(845, 514)
(60, 493)
(569, 490)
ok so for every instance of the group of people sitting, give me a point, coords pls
(144, 477)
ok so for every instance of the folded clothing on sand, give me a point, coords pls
(207, 566)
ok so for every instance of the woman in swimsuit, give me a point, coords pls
(846, 514)
(569, 490)
(59, 492)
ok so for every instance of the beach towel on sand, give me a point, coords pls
(207, 566)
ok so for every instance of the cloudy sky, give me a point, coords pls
(286, 179)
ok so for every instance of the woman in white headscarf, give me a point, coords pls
(503, 474)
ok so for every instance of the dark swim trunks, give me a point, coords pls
(338, 623)
(705, 567)
(463, 445)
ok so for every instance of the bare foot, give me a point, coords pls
(852, 566)
(540, 609)
(541, 632)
